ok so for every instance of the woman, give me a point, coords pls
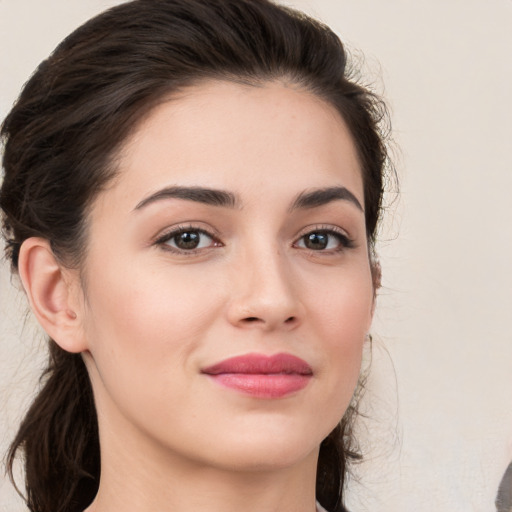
(191, 195)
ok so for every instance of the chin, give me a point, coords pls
(266, 449)
(274, 456)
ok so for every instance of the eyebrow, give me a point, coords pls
(223, 198)
(322, 196)
(203, 195)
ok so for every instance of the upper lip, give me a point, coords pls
(261, 364)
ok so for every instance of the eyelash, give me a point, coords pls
(164, 240)
(344, 241)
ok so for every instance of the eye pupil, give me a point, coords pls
(316, 241)
(187, 240)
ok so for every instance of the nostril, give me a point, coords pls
(249, 320)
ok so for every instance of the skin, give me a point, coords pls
(148, 316)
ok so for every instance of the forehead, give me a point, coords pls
(242, 137)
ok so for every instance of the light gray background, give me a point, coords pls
(440, 403)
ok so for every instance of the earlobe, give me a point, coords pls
(52, 292)
(376, 271)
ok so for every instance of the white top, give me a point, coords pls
(319, 508)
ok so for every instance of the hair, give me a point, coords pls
(61, 139)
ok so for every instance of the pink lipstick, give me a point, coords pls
(262, 376)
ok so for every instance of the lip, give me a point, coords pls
(262, 376)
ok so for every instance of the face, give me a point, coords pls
(227, 282)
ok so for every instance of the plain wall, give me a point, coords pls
(439, 432)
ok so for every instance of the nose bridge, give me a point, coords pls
(271, 275)
(264, 291)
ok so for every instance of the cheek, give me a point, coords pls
(142, 326)
(343, 304)
(341, 317)
(150, 305)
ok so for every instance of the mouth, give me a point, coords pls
(262, 376)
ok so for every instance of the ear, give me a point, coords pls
(376, 271)
(54, 293)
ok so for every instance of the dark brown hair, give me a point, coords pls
(61, 139)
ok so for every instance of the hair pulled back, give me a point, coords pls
(61, 140)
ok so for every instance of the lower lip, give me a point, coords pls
(263, 385)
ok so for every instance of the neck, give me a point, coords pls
(175, 487)
(139, 475)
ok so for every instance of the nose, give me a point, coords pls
(264, 295)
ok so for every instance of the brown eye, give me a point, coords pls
(324, 240)
(188, 240)
(316, 241)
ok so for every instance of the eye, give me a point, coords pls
(187, 240)
(324, 240)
